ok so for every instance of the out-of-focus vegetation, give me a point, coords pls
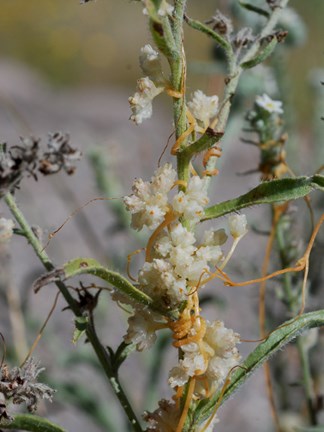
(75, 44)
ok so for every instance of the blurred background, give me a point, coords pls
(70, 67)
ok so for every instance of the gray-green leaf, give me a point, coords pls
(267, 193)
(33, 423)
(276, 341)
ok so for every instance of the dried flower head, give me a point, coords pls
(28, 159)
(221, 23)
(60, 155)
(20, 385)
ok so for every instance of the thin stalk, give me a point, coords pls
(234, 74)
(99, 349)
(307, 380)
(178, 80)
(302, 351)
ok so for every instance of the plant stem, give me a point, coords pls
(178, 79)
(234, 74)
(307, 380)
(291, 302)
(99, 349)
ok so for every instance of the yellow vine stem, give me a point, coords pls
(212, 152)
(71, 215)
(186, 133)
(219, 401)
(185, 410)
(179, 183)
(168, 219)
(41, 331)
(129, 260)
(278, 210)
(302, 264)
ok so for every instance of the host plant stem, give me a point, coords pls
(235, 71)
(302, 351)
(99, 349)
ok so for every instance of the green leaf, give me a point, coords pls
(29, 422)
(197, 25)
(275, 342)
(252, 8)
(262, 55)
(80, 328)
(267, 193)
(205, 142)
(80, 266)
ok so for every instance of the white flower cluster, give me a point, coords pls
(203, 107)
(212, 359)
(176, 263)
(148, 87)
(149, 202)
(141, 102)
(166, 418)
(269, 105)
(176, 267)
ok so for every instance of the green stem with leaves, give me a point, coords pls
(99, 349)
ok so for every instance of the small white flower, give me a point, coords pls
(212, 358)
(6, 229)
(214, 238)
(221, 339)
(148, 203)
(164, 9)
(203, 107)
(151, 65)
(269, 105)
(141, 329)
(163, 419)
(212, 254)
(157, 279)
(178, 377)
(180, 236)
(192, 202)
(141, 102)
(237, 225)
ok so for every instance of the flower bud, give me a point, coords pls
(237, 225)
